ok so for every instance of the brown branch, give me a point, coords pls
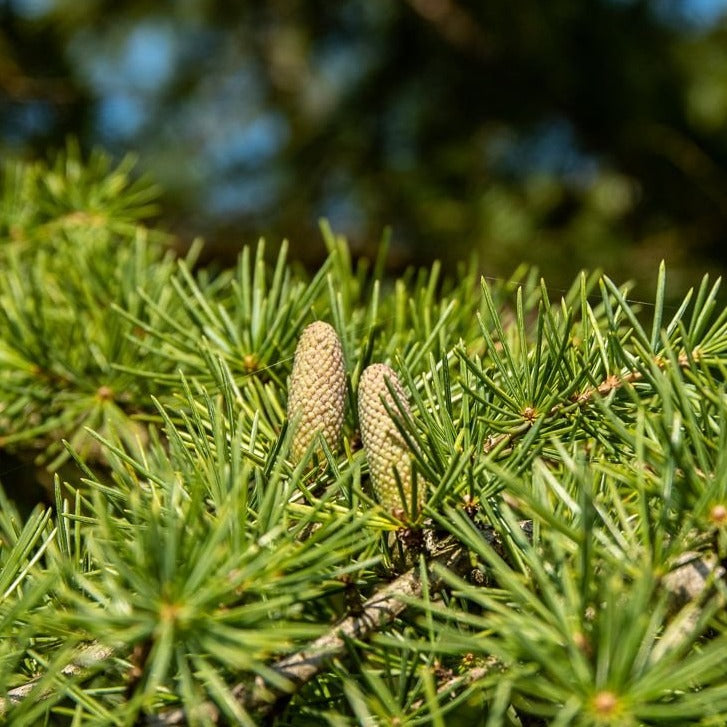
(689, 580)
(687, 583)
(300, 668)
(455, 25)
(462, 680)
(21, 87)
(297, 669)
(84, 663)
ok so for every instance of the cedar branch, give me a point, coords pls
(300, 668)
(685, 583)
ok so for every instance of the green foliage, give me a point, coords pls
(573, 452)
(78, 252)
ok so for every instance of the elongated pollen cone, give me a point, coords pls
(317, 390)
(386, 450)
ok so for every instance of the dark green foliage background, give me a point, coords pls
(571, 133)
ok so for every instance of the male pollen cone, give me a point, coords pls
(317, 390)
(385, 448)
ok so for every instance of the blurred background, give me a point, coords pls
(565, 133)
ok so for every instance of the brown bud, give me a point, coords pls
(386, 450)
(317, 390)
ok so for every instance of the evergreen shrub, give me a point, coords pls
(549, 541)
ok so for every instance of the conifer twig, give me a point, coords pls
(465, 679)
(609, 384)
(83, 664)
(685, 583)
(381, 609)
(300, 668)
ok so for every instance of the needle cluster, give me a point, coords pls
(225, 464)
